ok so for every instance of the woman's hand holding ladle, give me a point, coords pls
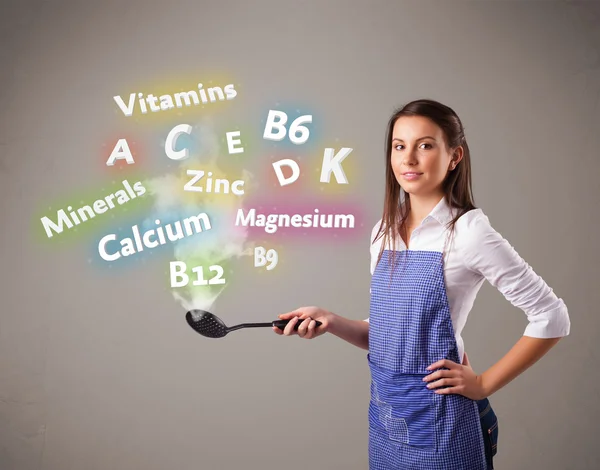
(307, 316)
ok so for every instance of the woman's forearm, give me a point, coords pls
(526, 352)
(356, 332)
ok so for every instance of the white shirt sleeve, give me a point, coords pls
(487, 253)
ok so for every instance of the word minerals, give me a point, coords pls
(84, 213)
(177, 100)
(275, 130)
(174, 232)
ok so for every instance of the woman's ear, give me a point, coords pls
(457, 156)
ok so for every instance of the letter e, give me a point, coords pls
(231, 142)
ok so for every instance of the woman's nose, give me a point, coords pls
(410, 158)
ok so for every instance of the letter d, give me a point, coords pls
(295, 171)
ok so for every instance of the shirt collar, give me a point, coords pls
(442, 212)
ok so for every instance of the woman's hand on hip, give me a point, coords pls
(456, 378)
(307, 317)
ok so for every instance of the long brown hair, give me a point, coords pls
(457, 185)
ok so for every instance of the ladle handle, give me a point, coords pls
(282, 323)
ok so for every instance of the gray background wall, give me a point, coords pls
(98, 369)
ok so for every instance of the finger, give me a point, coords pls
(443, 363)
(449, 391)
(289, 328)
(445, 382)
(310, 330)
(302, 329)
(438, 375)
(277, 330)
(288, 315)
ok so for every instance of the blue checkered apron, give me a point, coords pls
(410, 426)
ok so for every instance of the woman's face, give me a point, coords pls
(419, 157)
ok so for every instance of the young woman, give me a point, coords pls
(430, 253)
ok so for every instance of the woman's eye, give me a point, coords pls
(423, 146)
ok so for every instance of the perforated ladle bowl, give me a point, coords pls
(211, 326)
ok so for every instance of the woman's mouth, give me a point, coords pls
(411, 175)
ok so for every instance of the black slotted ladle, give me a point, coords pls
(211, 326)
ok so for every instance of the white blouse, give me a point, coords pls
(477, 252)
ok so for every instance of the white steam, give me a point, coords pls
(217, 246)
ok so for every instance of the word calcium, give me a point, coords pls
(152, 238)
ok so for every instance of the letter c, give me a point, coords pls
(170, 142)
(105, 256)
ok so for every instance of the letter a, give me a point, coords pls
(120, 152)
